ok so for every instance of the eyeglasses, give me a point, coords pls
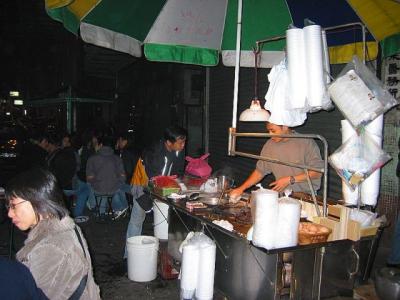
(12, 205)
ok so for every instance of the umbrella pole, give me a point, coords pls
(232, 139)
(237, 63)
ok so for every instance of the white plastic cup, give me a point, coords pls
(142, 258)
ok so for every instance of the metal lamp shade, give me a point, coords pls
(255, 113)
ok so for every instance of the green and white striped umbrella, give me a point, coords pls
(186, 31)
(201, 31)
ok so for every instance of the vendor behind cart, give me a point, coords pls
(293, 150)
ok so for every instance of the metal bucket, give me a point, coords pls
(387, 283)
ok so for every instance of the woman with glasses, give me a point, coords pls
(55, 251)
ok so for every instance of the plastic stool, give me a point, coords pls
(99, 200)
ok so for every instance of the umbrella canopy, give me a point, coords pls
(189, 31)
(197, 32)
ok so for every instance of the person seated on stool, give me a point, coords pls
(124, 149)
(105, 173)
(63, 162)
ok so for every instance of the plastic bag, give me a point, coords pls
(364, 217)
(359, 94)
(278, 99)
(198, 266)
(198, 166)
(358, 158)
(210, 186)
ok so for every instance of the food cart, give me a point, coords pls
(244, 271)
(308, 271)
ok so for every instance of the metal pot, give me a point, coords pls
(387, 283)
(224, 183)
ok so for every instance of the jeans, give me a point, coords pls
(118, 202)
(126, 188)
(137, 216)
(82, 192)
(394, 257)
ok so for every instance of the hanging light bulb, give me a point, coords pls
(255, 113)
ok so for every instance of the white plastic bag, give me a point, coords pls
(198, 266)
(266, 217)
(278, 99)
(359, 94)
(364, 217)
(288, 222)
(357, 158)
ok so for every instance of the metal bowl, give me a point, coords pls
(212, 201)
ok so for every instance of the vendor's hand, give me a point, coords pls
(234, 195)
(280, 184)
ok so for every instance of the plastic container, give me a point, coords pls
(160, 211)
(142, 258)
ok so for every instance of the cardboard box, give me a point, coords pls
(342, 226)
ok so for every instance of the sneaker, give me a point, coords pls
(89, 207)
(120, 213)
(81, 219)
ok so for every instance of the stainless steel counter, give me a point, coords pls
(244, 271)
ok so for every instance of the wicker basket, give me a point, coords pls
(306, 237)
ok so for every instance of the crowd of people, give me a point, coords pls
(54, 262)
(91, 165)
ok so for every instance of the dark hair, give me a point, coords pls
(106, 141)
(53, 139)
(40, 188)
(174, 132)
(128, 138)
(65, 135)
(124, 135)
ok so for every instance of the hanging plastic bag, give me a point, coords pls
(198, 166)
(358, 158)
(198, 266)
(278, 100)
(359, 94)
(139, 175)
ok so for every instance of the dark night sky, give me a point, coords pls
(39, 57)
(30, 47)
